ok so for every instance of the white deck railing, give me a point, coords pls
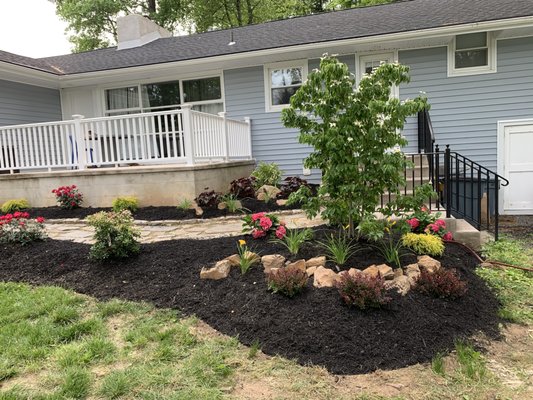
(176, 136)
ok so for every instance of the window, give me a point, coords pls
(472, 53)
(368, 63)
(282, 80)
(203, 94)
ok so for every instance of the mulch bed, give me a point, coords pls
(161, 213)
(313, 328)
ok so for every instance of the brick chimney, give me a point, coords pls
(135, 30)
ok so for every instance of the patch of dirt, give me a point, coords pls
(254, 389)
(161, 213)
(518, 227)
(313, 328)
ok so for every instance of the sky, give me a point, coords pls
(31, 28)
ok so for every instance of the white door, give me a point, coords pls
(517, 151)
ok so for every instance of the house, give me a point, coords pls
(472, 58)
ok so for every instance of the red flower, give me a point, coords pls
(434, 227)
(256, 233)
(447, 236)
(40, 220)
(265, 223)
(257, 216)
(441, 223)
(280, 232)
(17, 214)
(413, 222)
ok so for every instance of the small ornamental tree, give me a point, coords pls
(354, 133)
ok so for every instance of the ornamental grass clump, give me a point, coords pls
(294, 239)
(68, 197)
(443, 283)
(261, 225)
(130, 203)
(11, 206)
(362, 291)
(423, 244)
(338, 249)
(115, 235)
(287, 281)
(19, 228)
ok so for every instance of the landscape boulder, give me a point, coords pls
(300, 264)
(324, 277)
(311, 271)
(385, 271)
(400, 283)
(272, 261)
(267, 192)
(234, 260)
(316, 262)
(371, 271)
(428, 264)
(412, 271)
(219, 271)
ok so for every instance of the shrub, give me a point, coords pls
(262, 224)
(287, 281)
(294, 239)
(19, 228)
(68, 197)
(443, 283)
(243, 187)
(185, 204)
(352, 133)
(11, 206)
(362, 290)
(208, 199)
(115, 236)
(291, 185)
(424, 244)
(267, 174)
(130, 203)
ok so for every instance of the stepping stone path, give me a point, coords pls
(155, 231)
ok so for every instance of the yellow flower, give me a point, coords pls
(242, 242)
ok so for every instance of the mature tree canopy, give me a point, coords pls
(93, 23)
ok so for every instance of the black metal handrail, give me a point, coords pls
(426, 136)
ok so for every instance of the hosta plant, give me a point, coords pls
(68, 197)
(261, 225)
(19, 228)
(267, 174)
(115, 235)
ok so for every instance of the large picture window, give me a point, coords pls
(203, 94)
(282, 80)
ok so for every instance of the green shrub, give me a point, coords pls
(443, 283)
(11, 206)
(115, 236)
(362, 290)
(287, 281)
(185, 204)
(424, 243)
(130, 203)
(267, 174)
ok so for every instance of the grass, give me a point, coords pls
(513, 287)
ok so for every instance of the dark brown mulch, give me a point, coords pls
(160, 213)
(313, 328)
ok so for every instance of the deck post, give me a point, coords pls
(225, 142)
(78, 143)
(248, 122)
(188, 133)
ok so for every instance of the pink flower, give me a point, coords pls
(434, 227)
(40, 220)
(257, 216)
(447, 236)
(256, 233)
(441, 223)
(17, 214)
(413, 222)
(423, 209)
(280, 232)
(265, 223)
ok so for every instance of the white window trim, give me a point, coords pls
(287, 64)
(362, 58)
(138, 83)
(492, 59)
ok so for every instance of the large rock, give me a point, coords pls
(253, 257)
(324, 277)
(267, 192)
(219, 271)
(282, 202)
(311, 271)
(300, 264)
(400, 283)
(272, 261)
(385, 271)
(352, 272)
(371, 271)
(316, 262)
(412, 271)
(234, 260)
(428, 264)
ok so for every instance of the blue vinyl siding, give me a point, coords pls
(24, 104)
(271, 141)
(465, 110)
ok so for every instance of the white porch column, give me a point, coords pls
(225, 142)
(78, 142)
(188, 135)
(249, 123)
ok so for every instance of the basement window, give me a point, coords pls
(473, 53)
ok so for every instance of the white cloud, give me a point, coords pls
(31, 28)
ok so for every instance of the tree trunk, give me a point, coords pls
(151, 5)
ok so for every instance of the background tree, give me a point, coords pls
(353, 134)
(93, 23)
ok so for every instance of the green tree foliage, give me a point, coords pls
(93, 23)
(353, 133)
